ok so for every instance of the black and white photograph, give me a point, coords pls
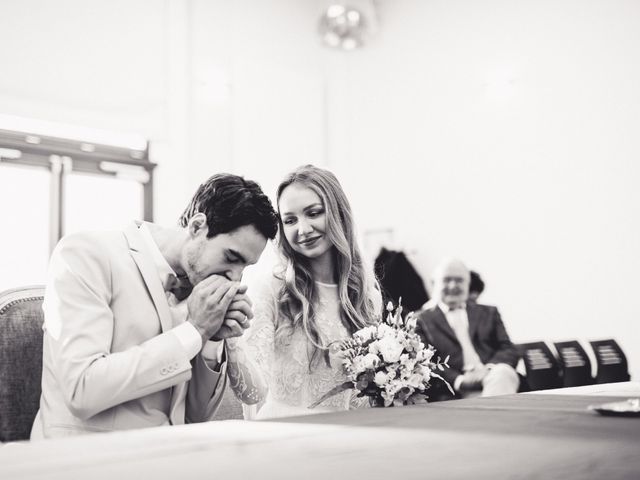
(319, 239)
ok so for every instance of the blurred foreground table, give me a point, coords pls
(541, 435)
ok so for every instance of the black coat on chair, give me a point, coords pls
(399, 279)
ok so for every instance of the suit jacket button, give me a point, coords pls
(163, 371)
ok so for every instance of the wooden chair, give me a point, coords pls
(541, 366)
(574, 363)
(21, 321)
(611, 361)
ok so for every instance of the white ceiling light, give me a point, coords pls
(343, 27)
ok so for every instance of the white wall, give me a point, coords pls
(109, 65)
(259, 97)
(501, 132)
(505, 133)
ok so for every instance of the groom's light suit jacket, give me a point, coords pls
(109, 361)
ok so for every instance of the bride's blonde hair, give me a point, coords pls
(356, 281)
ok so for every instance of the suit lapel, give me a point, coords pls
(158, 296)
(440, 321)
(150, 275)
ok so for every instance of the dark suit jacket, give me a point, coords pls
(487, 332)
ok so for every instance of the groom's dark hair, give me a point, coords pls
(229, 202)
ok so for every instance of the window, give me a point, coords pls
(52, 186)
(24, 241)
(98, 202)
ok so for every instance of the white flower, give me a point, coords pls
(415, 380)
(381, 379)
(388, 398)
(411, 322)
(415, 343)
(370, 361)
(366, 333)
(408, 363)
(385, 330)
(424, 355)
(357, 365)
(424, 370)
(390, 349)
(428, 354)
(402, 335)
(393, 387)
(374, 348)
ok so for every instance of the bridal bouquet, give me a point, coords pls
(388, 362)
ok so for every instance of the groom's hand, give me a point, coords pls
(208, 304)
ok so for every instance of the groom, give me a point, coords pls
(120, 351)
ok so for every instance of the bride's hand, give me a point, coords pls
(336, 353)
(229, 329)
(237, 318)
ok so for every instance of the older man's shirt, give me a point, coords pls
(459, 323)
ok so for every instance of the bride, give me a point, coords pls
(321, 295)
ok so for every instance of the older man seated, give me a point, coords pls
(482, 358)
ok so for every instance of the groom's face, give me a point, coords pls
(225, 254)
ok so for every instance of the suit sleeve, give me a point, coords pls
(450, 374)
(506, 351)
(80, 324)
(205, 390)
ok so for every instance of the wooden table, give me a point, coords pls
(536, 435)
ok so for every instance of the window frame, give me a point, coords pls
(62, 156)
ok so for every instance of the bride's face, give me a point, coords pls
(304, 220)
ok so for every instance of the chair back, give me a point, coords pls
(541, 366)
(611, 361)
(575, 364)
(21, 320)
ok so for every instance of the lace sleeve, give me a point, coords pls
(259, 339)
(358, 402)
(249, 357)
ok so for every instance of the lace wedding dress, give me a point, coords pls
(285, 366)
